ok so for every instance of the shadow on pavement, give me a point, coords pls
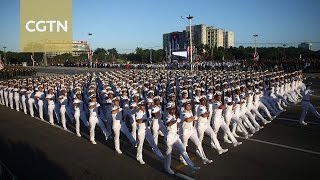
(27, 162)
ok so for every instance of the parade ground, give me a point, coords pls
(34, 149)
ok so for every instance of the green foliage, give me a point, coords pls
(141, 55)
(265, 53)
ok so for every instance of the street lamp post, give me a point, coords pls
(90, 57)
(190, 35)
(4, 55)
(255, 44)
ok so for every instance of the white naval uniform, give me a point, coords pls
(228, 111)
(188, 131)
(203, 126)
(228, 114)
(63, 110)
(23, 100)
(83, 113)
(40, 95)
(259, 105)
(264, 100)
(306, 105)
(273, 100)
(144, 132)
(51, 109)
(141, 133)
(77, 115)
(31, 102)
(219, 122)
(246, 121)
(210, 107)
(117, 126)
(173, 142)
(196, 103)
(249, 114)
(133, 120)
(93, 119)
(5, 94)
(237, 120)
(16, 98)
(2, 101)
(125, 106)
(290, 93)
(10, 97)
(254, 109)
(157, 123)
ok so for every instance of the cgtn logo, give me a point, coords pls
(46, 26)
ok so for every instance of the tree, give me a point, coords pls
(100, 50)
(113, 53)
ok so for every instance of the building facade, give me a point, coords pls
(201, 35)
(78, 48)
(175, 41)
(305, 46)
(228, 39)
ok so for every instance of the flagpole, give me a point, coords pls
(4, 55)
(255, 45)
(90, 56)
(190, 35)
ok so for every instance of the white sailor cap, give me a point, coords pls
(188, 101)
(170, 105)
(136, 95)
(141, 103)
(110, 92)
(116, 98)
(184, 92)
(156, 98)
(203, 97)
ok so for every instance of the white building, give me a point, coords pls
(228, 39)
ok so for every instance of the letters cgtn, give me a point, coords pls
(44, 26)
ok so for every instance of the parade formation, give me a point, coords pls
(180, 105)
(9, 73)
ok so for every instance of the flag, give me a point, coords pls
(188, 51)
(90, 54)
(191, 50)
(255, 56)
(1, 65)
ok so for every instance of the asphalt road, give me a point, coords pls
(33, 149)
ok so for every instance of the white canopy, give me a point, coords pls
(181, 53)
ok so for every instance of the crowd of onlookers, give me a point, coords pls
(305, 65)
(308, 66)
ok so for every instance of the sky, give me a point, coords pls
(127, 24)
